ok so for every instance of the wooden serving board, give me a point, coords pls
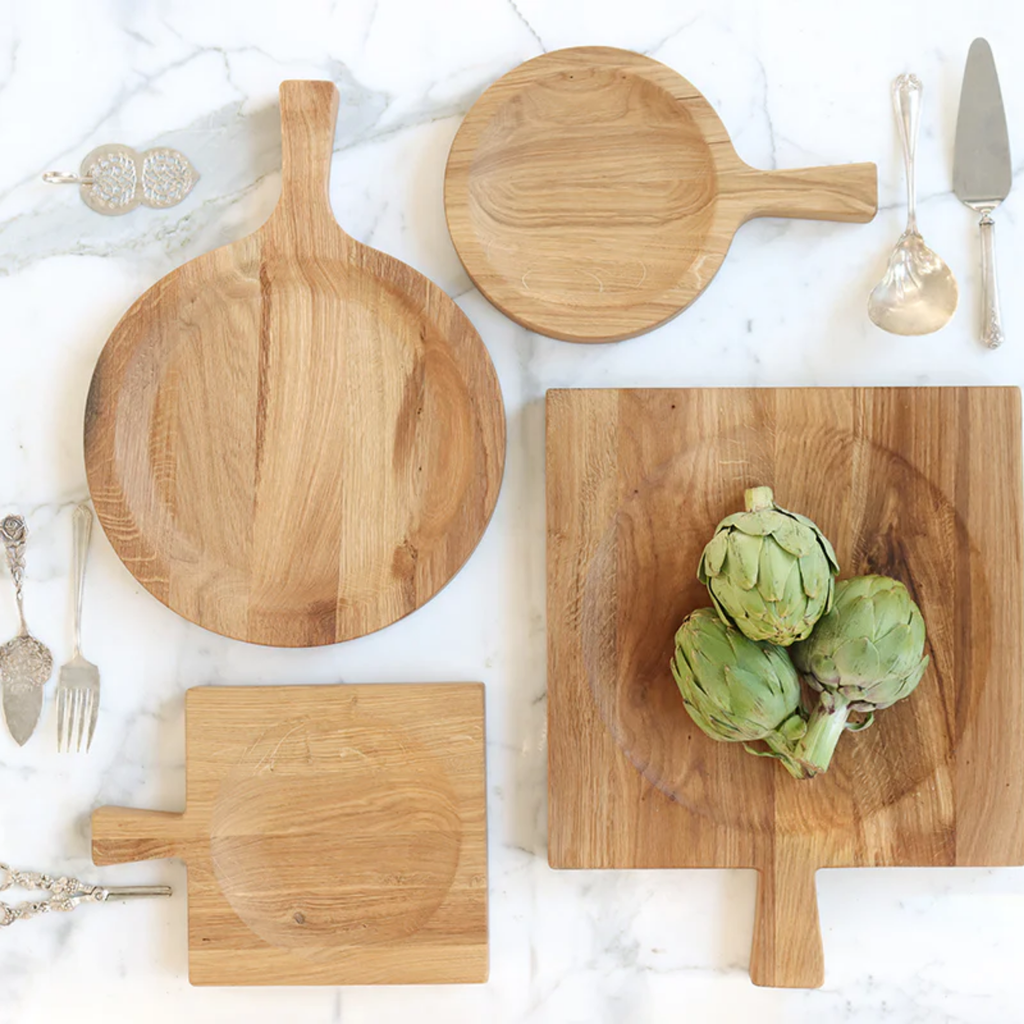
(592, 193)
(334, 835)
(295, 439)
(923, 484)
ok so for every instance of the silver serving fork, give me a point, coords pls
(78, 692)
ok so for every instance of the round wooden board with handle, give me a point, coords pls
(295, 439)
(592, 193)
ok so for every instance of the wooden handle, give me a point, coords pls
(124, 834)
(786, 951)
(309, 112)
(847, 193)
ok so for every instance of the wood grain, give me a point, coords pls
(592, 193)
(334, 835)
(295, 439)
(923, 484)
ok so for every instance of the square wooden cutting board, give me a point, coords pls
(923, 484)
(334, 835)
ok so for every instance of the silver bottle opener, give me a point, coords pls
(115, 179)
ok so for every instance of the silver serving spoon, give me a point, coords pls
(918, 294)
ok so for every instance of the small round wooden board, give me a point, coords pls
(295, 439)
(592, 193)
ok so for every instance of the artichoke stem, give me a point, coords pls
(757, 499)
(784, 751)
(814, 750)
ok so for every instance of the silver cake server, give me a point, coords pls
(981, 169)
(25, 663)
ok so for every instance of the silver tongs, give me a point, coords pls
(65, 893)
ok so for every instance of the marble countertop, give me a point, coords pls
(797, 83)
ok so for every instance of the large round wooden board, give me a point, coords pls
(592, 193)
(295, 439)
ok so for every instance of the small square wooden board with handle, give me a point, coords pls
(334, 835)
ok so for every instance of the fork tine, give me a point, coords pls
(94, 706)
(72, 718)
(86, 715)
(79, 711)
(61, 707)
(80, 718)
(72, 706)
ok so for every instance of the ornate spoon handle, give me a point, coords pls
(906, 98)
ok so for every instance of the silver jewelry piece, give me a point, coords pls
(115, 179)
(65, 894)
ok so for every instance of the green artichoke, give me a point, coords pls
(770, 572)
(864, 655)
(738, 690)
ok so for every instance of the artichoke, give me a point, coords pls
(864, 655)
(770, 572)
(738, 690)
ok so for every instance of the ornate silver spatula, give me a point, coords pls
(25, 663)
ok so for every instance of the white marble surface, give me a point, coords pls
(796, 82)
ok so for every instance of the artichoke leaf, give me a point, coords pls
(714, 556)
(755, 524)
(894, 646)
(826, 544)
(910, 683)
(792, 601)
(774, 572)
(858, 587)
(815, 576)
(794, 538)
(722, 613)
(745, 690)
(745, 604)
(857, 659)
(824, 669)
(890, 610)
(859, 618)
(742, 562)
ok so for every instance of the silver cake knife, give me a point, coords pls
(981, 169)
